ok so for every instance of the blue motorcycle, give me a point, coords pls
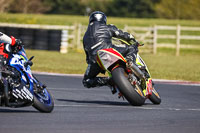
(20, 88)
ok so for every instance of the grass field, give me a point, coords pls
(164, 65)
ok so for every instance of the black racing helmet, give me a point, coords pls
(98, 16)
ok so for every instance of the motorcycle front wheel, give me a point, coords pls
(133, 94)
(43, 101)
(155, 97)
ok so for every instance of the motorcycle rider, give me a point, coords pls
(9, 45)
(6, 45)
(99, 36)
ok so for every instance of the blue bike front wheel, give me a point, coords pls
(43, 101)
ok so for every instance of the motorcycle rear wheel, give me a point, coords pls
(129, 91)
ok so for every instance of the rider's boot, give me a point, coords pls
(96, 82)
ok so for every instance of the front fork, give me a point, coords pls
(38, 86)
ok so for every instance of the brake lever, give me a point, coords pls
(140, 44)
(29, 62)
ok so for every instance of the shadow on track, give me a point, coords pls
(16, 111)
(97, 102)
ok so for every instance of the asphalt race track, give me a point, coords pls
(81, 110)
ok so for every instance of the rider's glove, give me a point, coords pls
(16, 46)
(131, 39)
(18, 42)
(15, 42)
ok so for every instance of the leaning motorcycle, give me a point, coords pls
(20, 88)
(131, 80)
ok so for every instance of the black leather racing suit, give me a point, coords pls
(99, 36)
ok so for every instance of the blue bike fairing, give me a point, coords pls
(17, 61)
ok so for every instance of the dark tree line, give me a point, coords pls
(173, 9)
(120, 8)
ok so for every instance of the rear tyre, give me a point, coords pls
(155, 97)
(132, 94)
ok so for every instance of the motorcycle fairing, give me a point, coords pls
(140, 62)
(149, 88)
(106, 57)
(17, 61)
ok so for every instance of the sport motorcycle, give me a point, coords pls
(19, 87)
(131, 80)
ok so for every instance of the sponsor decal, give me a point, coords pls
(23, 93)
(96, 45)
(149, 87)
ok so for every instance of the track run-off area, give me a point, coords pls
(97, 110)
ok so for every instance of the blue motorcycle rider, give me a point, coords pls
(6, 45)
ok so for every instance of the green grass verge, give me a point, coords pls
(51, 61)
(164, 65)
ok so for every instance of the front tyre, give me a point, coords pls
(43, 101)
(133, 94)
(155, 97)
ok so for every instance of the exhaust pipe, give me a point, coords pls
(134, 68)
